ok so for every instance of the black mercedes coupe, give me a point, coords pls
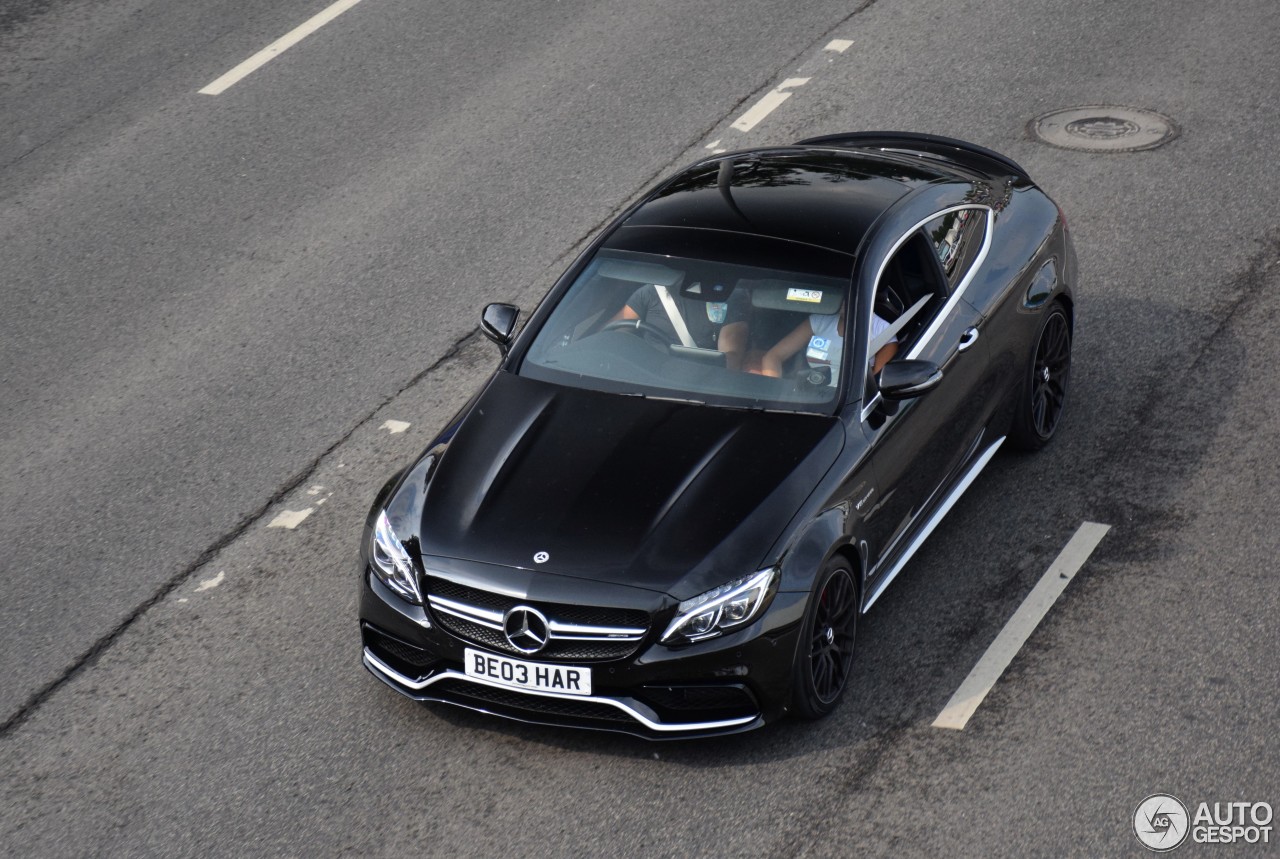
(722, 434)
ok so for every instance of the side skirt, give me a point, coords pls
(941, 511)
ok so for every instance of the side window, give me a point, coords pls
(910, 281)
(957, 239)
(908, 287)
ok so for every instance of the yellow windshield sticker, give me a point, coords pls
(811, 296)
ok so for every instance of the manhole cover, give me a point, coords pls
(1104, 128)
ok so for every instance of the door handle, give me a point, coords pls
(968, 339)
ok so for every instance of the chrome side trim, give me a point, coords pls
(377, 666)
(943, 509)
(871, 406)
(964, 283)
(952, 300)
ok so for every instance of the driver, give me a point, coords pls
(719, 325)
(822, 338)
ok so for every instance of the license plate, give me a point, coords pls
(535, 676)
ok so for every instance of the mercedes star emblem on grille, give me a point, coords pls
(525, 628)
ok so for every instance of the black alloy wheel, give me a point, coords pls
(1045, 392)
(825, 654)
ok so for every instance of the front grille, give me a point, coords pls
(584, 614)
(472, 596)
(625, 628)
(491, 638)
(461, 692)
(554, 651)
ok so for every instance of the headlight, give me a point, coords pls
(721, 609)
(391, 563)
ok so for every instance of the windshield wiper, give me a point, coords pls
(766, 410)
(676, 400)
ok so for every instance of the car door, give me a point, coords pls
(919, 446)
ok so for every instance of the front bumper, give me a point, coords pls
(729, 684)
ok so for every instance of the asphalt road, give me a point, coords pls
(212, 304)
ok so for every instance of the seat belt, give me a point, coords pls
(673, 313)
(898, 324)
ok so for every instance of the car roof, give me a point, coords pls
(811, 196)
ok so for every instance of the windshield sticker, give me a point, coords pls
(819, 348)
(811, 296)
(717, 311)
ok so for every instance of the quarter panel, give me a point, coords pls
(1027, 235)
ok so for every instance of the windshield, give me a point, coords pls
(692, 329)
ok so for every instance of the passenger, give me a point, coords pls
(719, 325)
(822, 338)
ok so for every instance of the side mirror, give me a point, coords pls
(903, 380)
(498, 322)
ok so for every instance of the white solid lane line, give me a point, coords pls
(767, 105)
(278, 47)
(984, 675)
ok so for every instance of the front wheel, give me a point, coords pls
(1043, 394)
(825, 654)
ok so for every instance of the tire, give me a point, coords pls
(1042, 398)
(825, 651)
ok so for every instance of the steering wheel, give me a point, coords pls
(640, 327)
(889, 304)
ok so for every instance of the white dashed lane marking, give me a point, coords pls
(293, 518)
(290, 518)
(773, 99)
(209, 584)
(768, 104)
(984, 675)
(276, 48)
(395, 426)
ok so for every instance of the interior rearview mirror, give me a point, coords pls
(498, 322)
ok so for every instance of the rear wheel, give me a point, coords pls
(825, 654)
(1044, 388)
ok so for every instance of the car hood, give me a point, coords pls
(651, 493)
